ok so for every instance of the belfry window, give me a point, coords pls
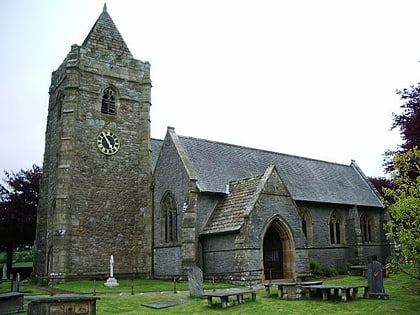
(366, 226)
(60, 99)
(335, 229)
(108, 102)
(169, 230)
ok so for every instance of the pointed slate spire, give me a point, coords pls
(105, 37)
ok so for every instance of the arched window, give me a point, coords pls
(169, 231)
(366, 226)
(108, 102)
(306, 224)
(336, 236)
(59, 104)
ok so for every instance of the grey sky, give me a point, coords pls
(309, 78)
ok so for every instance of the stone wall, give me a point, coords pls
(96, 205)
(351, 249)
(171, 176)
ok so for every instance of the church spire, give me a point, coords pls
(105, 37)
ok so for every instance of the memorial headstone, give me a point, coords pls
(17, 282)
(195, 282)
(375, 281)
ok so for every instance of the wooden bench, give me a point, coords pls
(11, 302)
(224, 296)
(345, 291)
(289, 290)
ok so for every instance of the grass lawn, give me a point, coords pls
(136, 286)
(404, 299)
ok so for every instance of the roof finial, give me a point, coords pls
(104, 7)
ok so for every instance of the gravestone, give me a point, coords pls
(376, 281)
(195, 281)
(4, 277)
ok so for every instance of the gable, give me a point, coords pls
(228, 216)
(239, 202)
(274, 185)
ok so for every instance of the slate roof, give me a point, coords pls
(105, 37)
(216, 164)
(156, 145)
(230, 211)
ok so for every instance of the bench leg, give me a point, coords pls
(365, 293)
(355, 294)
(325, 294)
(254, 296)
(240, 298)
(344, 294)
(224, 300)
(335, 293)
(267, 290)
(280, 291)
(209, 301)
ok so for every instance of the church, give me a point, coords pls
(162, 206)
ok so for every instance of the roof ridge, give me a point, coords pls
(262, 150)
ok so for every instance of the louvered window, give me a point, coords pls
(108, 102)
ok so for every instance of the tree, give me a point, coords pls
(409, 120)
(408, 123)
(380, 183)
(404, 225)
(18, 207)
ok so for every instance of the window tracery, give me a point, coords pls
(366, 226)
(169, 219)
(336, 231)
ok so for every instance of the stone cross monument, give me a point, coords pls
(111, 282)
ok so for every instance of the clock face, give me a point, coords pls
(108, 142)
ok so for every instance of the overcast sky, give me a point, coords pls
(308, 78)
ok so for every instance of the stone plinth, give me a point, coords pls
(111, 282)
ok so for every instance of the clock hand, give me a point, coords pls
(107, 140)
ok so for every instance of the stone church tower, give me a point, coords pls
(96, 199)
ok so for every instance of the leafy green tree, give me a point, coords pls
(404, 225)
(18, 207)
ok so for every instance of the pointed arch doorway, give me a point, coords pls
(278, 252)
(273, 255)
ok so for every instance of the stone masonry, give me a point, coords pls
(95, 205)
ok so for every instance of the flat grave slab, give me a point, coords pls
(169, 303)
